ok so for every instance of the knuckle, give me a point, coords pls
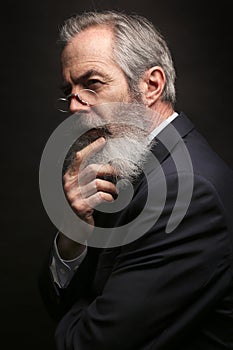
(91, 171)
(91, 168)
(66, 186)
(103, 196)
(71, 197)
(65, 177)
(79, 206)
(78, 156)
(97, 183)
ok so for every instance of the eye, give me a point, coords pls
(94, 83)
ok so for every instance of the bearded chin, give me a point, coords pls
(126, 156)
(127, 145)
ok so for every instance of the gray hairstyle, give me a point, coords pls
(138, 45)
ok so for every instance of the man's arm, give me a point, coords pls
(57, 299)
(62, 269)
(84, 192)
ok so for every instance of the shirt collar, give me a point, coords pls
(161, 126)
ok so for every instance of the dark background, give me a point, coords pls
(199, 36)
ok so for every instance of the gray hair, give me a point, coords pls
(138, 45)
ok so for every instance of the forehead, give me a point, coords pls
(92, 44)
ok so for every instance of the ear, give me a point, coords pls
(152, 85)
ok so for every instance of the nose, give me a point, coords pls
(76, 105)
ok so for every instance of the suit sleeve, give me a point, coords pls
(59, 300)
(161, 284)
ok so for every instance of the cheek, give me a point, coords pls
(120, 92)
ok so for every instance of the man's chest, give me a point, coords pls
(104, 268)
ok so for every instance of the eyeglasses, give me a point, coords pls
(86, 97)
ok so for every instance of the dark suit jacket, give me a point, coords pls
(164, 290)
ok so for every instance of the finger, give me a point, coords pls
(92, 179)
(98, 185)
(98, 198)
(87, 152)
(84, 208)
(70, 178)
(93, 171)
(82, 155)
(75, 193)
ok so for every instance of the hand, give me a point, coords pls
(86, 188)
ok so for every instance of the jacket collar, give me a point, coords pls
(166, 140)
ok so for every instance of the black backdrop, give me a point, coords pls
(199, 35)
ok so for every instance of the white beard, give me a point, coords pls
(125, 127)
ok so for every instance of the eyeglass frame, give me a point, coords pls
(69, 97)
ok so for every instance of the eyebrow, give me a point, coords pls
(89, 73)
(64, 86)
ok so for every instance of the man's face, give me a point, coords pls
(87, 63)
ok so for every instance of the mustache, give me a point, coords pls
(115, 116)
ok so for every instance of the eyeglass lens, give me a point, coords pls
(86, 97)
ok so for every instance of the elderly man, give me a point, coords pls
(164, 279)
